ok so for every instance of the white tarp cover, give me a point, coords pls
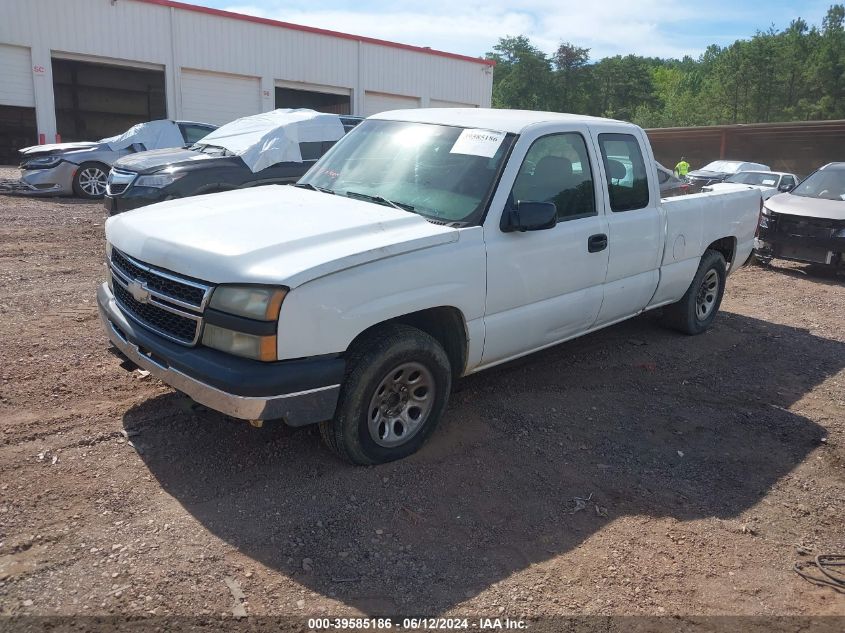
(273, 137)
(50, 147)
(152, 135)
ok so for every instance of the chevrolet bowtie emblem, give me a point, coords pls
(138, 292)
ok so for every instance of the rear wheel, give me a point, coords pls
(89, 181)
(695, 312)
(395, 392)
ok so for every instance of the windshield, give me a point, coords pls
(754, 178)
(826, 183)
(442, 172)
(723, 166)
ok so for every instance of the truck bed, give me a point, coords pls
(694, 222)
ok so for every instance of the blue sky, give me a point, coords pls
(608, 27)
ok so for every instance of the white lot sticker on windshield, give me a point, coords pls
(478, 143)
(768, 182)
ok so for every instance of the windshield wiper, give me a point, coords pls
(380, 200)
(308, 185)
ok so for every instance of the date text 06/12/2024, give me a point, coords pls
(417, 624)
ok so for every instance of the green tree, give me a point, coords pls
(620, 86)
(792, 74)
(572, 77)
(523, 76)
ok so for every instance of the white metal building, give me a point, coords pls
(85, 69)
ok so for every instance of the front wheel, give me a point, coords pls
(395, 392)
(89, 181)
(695, 312)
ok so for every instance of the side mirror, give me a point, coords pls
(786, 188)
(529, 216)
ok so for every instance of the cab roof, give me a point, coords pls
(514, 121)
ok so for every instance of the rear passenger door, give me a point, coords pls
(545, 286)
(635, 230)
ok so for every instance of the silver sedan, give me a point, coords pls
(81, 169)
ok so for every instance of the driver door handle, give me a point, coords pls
(596, 243)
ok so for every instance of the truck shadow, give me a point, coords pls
(808, 272)
(637, 419)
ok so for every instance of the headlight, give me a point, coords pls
(108, 250)
(839, 234)
(45, 162)
(766, 211)
(253, 302)
(240, 344)
(157, 181)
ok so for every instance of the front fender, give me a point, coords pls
(325, 315)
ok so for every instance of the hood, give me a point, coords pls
(738, 185)
(276, 234)
(154, 160)
(703, 173)
(809, 207)
(55, 148)
(766, 192)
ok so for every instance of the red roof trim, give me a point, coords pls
(310, 29)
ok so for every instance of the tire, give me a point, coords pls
(695, 312)
(392, 374)
(89, 181)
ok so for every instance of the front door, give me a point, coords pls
(546, 286)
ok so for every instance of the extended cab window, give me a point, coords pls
(626, 173)
(557, 169)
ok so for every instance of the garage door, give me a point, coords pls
(439, 103)
(95, 100)
(218, 98)
(16, 71)
(375, 102)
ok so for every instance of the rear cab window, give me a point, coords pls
(627, 177)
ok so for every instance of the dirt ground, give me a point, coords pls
(633, 471)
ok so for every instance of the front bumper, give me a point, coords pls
(299, 391)
(814, 250)
(55, 181)
(133, 198)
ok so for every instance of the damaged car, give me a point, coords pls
(81, 169)
(275, 147)
(806, 224)
(769, 183)
(718, 170)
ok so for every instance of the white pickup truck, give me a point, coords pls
(425, 246)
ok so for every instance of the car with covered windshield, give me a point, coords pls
(81, 168)
(275, 147)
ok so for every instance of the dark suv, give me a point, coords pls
(211, 165)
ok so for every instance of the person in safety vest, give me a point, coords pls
(682, 168)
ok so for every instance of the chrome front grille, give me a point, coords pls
(170, 305)
(119, 181)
